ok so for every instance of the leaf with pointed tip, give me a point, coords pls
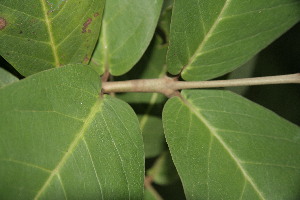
(61, 140)
(45, 34)
(6, 78)
(227, 147)
(127, 29)
(215, 37)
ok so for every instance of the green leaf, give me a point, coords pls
(6, 78)
(127, 30)
(149, 195)
(44, 34)
(165, 18)
(214, 38)
(226, 147)
(153, 137)
(61, 140)
(163, 172)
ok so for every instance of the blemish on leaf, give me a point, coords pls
(86, 59)
(96, 14)
(86, 24)
(2, 23)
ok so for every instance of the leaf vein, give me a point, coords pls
(51, 37)
(208, 35)
(62, 186)
(117, 150)
(26, 164)
(90, 117)
(214, 133)
(23, 13)
(90, 155)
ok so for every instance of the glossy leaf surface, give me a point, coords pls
(227, 147)
(44, 34)
(215, 37)
(61, 140)
(6, 78)
(127, 29)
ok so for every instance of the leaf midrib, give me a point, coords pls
(51, 37)
(90, 117)
(208, 35)
(214, 133)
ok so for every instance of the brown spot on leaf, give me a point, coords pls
(86, 59)
(96, 14)
(2, 23)
(86, 24)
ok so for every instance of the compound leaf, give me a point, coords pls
(61, 140)
(39, 35)
(211, 38)
(226, 147)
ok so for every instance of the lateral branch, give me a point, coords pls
(170, 87)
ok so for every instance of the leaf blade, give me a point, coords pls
(49, 33)
(64, 151)
(127, 29)
(227, 140)
(213, 39)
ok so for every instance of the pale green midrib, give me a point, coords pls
(207, 36)
(91, 116)
(105, 47)
(213, 132)
(51, 37)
